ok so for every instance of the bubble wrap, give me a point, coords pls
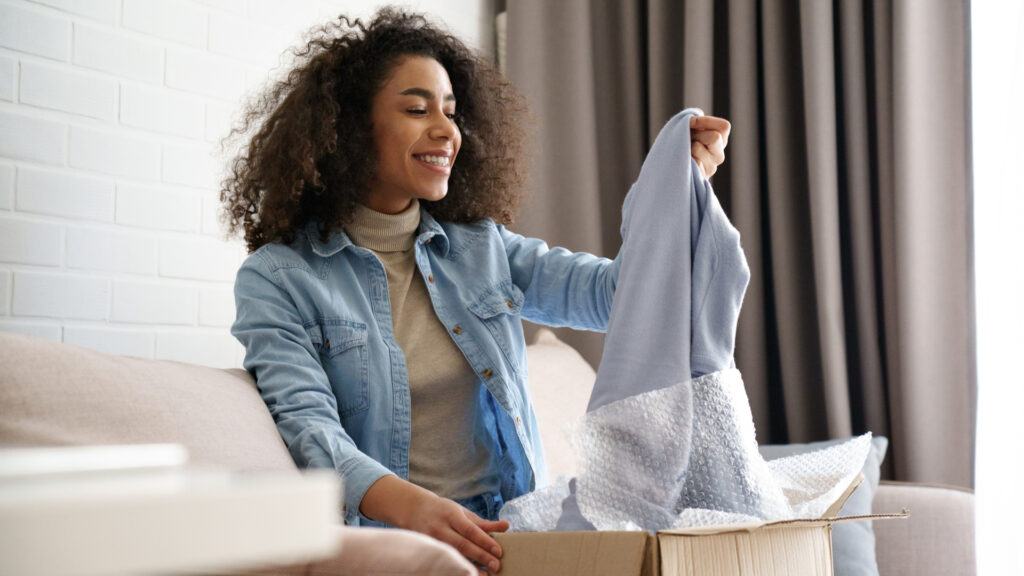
(686, 456)
(668, 440)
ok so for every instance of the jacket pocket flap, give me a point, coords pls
(334, 336)
(505, 298)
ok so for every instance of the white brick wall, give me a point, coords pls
(30, 241)
(114, 152)
(7, 74)
(140, 343)
(5, 292)
(111, 116)
(106, 251)
(65, 194)
(6, 186)
(32, 139)
(118, 53)
(156, 109)
(157, 208)
(61, 296)
(27, 29)
(61, 88)
(154, 303)
(47, 330)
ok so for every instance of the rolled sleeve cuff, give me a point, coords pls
(358, 475)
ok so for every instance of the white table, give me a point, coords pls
(162, 520)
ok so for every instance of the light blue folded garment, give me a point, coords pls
(677, 300)
(683, 276)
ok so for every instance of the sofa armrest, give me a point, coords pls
(379, 552)
(937, 539)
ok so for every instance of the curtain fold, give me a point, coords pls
(847, 174)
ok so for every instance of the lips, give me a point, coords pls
(436, 160)
(432, 159)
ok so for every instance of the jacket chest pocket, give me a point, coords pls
(341, 345)
(498, 309)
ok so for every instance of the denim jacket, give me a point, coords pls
(315, 321)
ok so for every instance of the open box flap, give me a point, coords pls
(828, 518)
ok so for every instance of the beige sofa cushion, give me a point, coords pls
(57, 395)
(937, 539)
(560, 385)
(380, 552)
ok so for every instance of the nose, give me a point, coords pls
(443, 128)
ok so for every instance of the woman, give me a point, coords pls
(380, 307)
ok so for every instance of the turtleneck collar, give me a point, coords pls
(382, 232)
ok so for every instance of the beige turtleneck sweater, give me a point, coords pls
(444, 455)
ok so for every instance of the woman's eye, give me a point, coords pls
(416, 111)
(451, 116)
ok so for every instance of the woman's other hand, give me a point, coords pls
(402, 504)
(709, 136)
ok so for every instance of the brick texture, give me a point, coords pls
(114, 153)
(8, 73)
(103, 250)
(61, 296)
(65, 194)
(6, 186)
(32, 139)
(5, 292)
(138, 343)
(154, 303)
(61, 88)
(112, 113)
(26, 29)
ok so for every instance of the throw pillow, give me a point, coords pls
(853, 543)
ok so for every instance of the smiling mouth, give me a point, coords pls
(442, 161)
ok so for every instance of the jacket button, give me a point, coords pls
(457, 329)
(427, 241)
(519, 421)
(509, 303)
(327, 344)
(488, 373)
(430, 278)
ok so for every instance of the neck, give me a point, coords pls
(387, 205)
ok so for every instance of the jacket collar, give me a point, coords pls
(429, 231)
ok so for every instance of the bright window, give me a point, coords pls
(997, 61)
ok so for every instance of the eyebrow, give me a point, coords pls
(424, 93)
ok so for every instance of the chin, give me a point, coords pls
(434, 196)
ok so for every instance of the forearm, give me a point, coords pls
(390, 500)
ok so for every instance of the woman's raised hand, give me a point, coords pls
(402, 504)
(709, 136)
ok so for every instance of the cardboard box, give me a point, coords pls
(800, 546)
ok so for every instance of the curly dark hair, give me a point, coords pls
(311, 156)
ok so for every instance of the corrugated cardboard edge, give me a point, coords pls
(583, 553)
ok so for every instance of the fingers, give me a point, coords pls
(713, 142)
(490, 525)
(474, 543)
(704, 158)
(714, 124)
(470, 550)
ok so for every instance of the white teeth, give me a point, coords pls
(435, 160)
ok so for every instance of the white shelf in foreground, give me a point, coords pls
(165, 521)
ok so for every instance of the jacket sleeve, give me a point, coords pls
(281, 356)
(561, 288)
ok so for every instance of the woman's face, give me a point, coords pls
(415, 135)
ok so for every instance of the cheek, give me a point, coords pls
(458, 141)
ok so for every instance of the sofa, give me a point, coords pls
(54, 394)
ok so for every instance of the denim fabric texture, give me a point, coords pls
(315, 320)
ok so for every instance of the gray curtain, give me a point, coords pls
(847, 173)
